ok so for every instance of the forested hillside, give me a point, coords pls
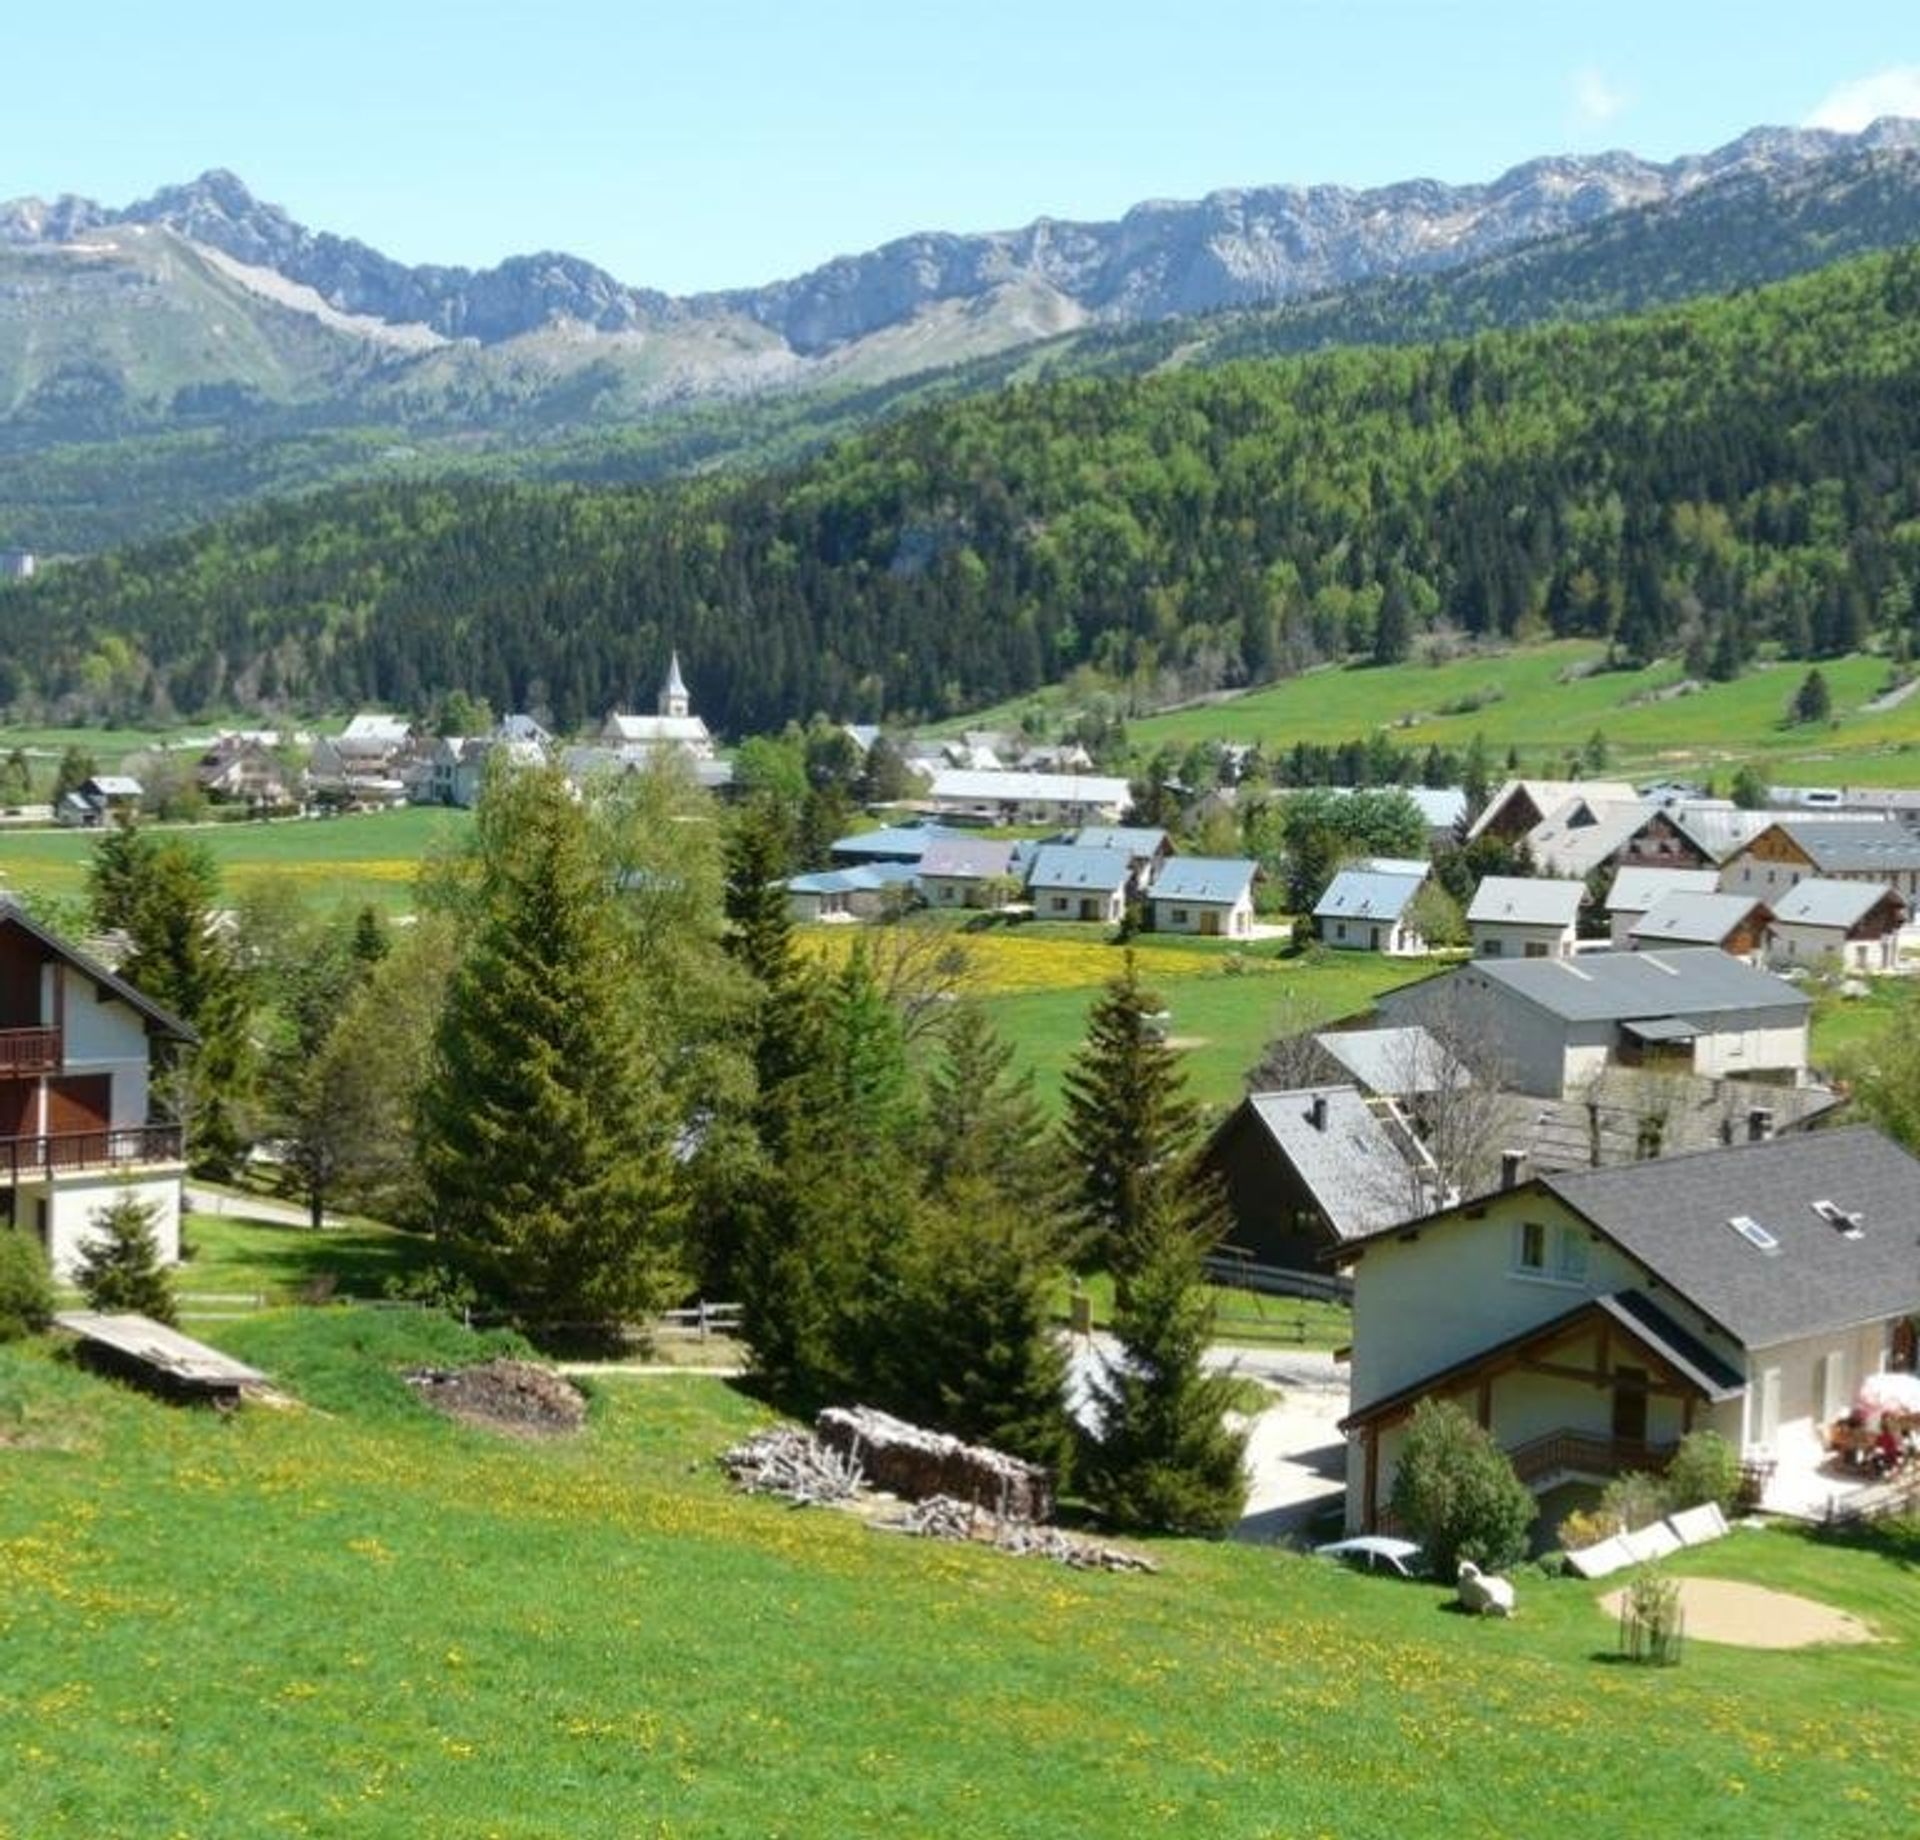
(1704, 479)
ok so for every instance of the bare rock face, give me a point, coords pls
(918, 1464)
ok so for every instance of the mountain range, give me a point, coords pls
(263, 355)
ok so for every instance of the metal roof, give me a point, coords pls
(1524, 900)
(1689, 981)
(1584, 832)
(1694, 919)
(1818, 901)
(896, 843)
(968, 858)
(1207, 881)
(1398, 1062)
(1135, 839)
(1367, 894)
(1062, 865)
(1858, 845)
(1635, 890)
(1030, 788)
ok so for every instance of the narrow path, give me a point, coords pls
(203, 1200)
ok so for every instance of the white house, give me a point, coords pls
(77, 1124)
(673, 725)
(1855, 924)
(1637, 888)
(1736, 923)
(1367, 910)
(1794, 850)
(1029, 798)
(964, 871)
(1590, 1320)
(1208, 895)
(1067, 883)
(1557, 1024)
(1521, 916)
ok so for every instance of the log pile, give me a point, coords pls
(941, 1517)
(918, 1464)
(793, 1467)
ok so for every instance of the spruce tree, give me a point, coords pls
(546, 1142)
(120, 1267)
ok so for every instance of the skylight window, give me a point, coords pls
(1754, 1233)
(1850, 1225)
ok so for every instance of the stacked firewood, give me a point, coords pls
(793, 1466)
(917, 1464)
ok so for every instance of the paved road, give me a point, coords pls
(202, 1200)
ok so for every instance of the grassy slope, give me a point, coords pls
(364, 1621)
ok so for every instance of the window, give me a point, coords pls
(1530, 1254)
(1570, 1254)
(1537, 948)
(1179, 916)
(1490, 948)
(1558, 1252)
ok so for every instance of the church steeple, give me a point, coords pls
(674, 700)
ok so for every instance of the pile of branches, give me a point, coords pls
(941, 1517)
(793, 1466)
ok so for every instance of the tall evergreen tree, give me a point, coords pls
(546, 1142)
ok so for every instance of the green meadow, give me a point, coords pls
(353, 1618)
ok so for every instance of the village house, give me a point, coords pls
(1068, 883)
(1790, 850)
(1208, 895)
(1636, 889)
(1520, 916)
(1029, 798)
(673, 725)
(366, 763)
(1855, 925)
(892, 843)
(99, 800)
(1585, 833)
(1736, 923)
(1557, 1024)
(1369, 909)
(1146, 848)
(1590, 1320)
(862, 892)
(77, 1126)
(968, 871)
(242, 770)
(1516, 807)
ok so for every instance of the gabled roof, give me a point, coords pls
(1206, 881)
(1803, 1273)
(1859, 846)
(1636, 890)
(1696, 919)
(1548, 795)
(1817, 901)
(163, 1020)
(373, 726)
(1398, 1062)
(1367, 894)
(1358, 1179)
(857, 879)
(1030, 788)
(968, 858)
(1524, 900)
(1062, 865)
(1135, 839)
(1688, 981)
(1716, 830)
(113, 786)
(655, 731)
(895, 843)
(1584, 832)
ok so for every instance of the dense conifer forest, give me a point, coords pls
(1702, 480)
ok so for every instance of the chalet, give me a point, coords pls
(1637, 889)
(1146, 849)
(1393, 1063)
(672, 726)
(1208, 895)
(365, 763)
(238, 770)
(1369, 910)
(1590, 1320)
(966, 871)
(1692, 834)
(1853, 924)
(1584, 834)
(1736, 923)
(1068, 883)
(1518, 806)
(77, 1120)
(1307, 1170)
(457, 765)
(1029, 798)
(1557, 1024)
(1849, 850)
(1519, 916)
(99, 800)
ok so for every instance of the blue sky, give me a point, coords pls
(701, 147)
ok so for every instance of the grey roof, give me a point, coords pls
(1637, 889)
(1398, 1062)
(1584, 832)
(987, 786)
(1817, 901)
(1061, 865)
(1359, 1181)
(1694, 919)
(1673, 1215)
(1394, 865)
(968, 858)
(115, 785)
(1135, 839)
(1548, 796)
(1864, 845)
(1717, 831)
(1696, 981)
(1525, 900)
(1207, 881)
(1367, 894)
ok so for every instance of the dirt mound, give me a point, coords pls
(511, 1396)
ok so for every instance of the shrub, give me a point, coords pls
(1634, 1500)
(26, 1286)
(1705, 1468)
(1457, 1493)
(120, 1266)
(1586, 1527)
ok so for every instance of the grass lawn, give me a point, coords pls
(352, 860)
(360, 1619)
(234, 1254)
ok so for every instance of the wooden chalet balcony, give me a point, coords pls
(25, 1052)
(103, 1149)
(1586, 1453)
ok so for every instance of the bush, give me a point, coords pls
(1457, 1494)
(26, 1286)
(120, 1267)
(1634, 1500)
(1705, 1468)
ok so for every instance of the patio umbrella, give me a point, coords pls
(1881, 1393)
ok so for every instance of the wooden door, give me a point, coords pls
(1630, 1404)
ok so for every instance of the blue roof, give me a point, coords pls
(896, 843)
(1136, 840)
(1064, 865)
(1206, 880)
(861, 878)
(1367, 894)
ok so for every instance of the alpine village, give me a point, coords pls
(1151, 1069)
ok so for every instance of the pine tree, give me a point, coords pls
(120, 1267)
(546, 1143)
(1129, 1125)
(1813, 701)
